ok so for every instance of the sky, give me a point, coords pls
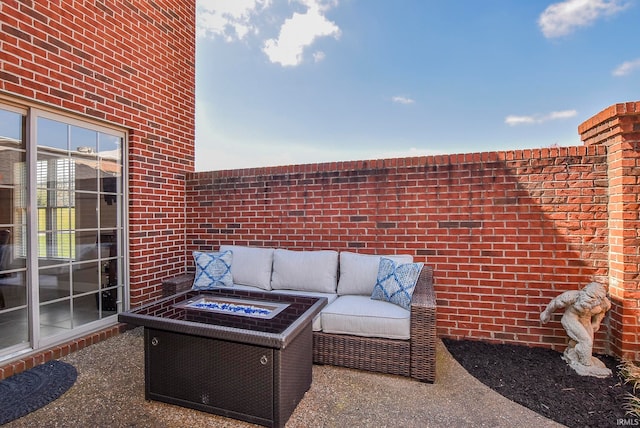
(282, 82)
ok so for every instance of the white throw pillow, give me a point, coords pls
(251, 265)
(305, 270)
(359, 272)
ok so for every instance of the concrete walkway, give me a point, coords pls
(109, 392)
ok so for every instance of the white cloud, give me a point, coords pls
(518, 120)
(564, 114)
(299, 32)
(229, 19)
(513, 120)
(402, 100)
(560, 19)
(627, 67)
(319, 56)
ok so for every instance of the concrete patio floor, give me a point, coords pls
(109, 392)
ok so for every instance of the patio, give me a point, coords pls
(110, 392)
(504, 231)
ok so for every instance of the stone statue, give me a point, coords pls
(584, 310)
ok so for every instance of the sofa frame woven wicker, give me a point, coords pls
(415, 358)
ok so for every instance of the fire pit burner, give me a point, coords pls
(246, 308)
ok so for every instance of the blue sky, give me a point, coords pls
(283, 82)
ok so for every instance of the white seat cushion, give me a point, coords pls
(317, 320)
(358, 272)
(305, 270)
(361, 316)
(331, 297)
(246, 287)
(251, 265)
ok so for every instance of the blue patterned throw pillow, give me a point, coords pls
(396, 282)
(212, 270)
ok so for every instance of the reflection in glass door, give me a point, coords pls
(14, 316)
(79, 194)
(60, 263)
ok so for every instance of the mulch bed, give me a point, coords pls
(540, 380)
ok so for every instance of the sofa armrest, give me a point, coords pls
(423, 294)
(423, 328)
(177, 284)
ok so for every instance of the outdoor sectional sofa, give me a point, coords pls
(353, 330)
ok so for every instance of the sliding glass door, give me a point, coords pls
(63, 225)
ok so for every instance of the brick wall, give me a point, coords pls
(505, 232)
(618, 129)
(129, 63)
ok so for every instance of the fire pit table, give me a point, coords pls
(240, 354)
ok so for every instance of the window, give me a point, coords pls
(55, 208)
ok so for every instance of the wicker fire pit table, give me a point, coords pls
(240, 354)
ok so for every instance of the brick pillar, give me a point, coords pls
(618, 128)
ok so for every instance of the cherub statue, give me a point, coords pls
(584, 312)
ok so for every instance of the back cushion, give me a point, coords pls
(359, 272)
(251, 265)
(305, 270)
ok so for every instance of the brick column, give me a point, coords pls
(618, 128)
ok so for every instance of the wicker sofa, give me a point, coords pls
(352, 330)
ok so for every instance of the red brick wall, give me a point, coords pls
(130, 63)
(505, 232)
(618, 129)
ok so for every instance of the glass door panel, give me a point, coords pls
(86, 277)
(54, 283)
(79, 195)
(14, 292)
(14, 328)
(85, 309)
(55, 318)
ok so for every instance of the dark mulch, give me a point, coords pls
(540, 380)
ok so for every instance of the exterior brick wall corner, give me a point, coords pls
(618, 129)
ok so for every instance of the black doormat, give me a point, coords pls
(25, 392)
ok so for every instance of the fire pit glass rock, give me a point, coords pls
(247, 308)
